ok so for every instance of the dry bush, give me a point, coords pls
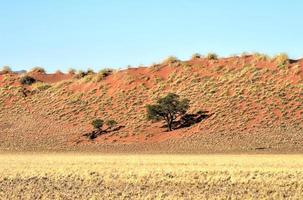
(38, 70)
(81, 74)
(71, 71)
(196, 56)
(212, 56)
(260, 57)
(88, 78)
(90, 71)
(171, 59)
(102, 74)
(58, 72)
(5, 70)
(40, 86)
(281, 59)
(106, 72)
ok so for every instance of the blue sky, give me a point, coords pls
(59, 34)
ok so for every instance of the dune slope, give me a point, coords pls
(254, 105)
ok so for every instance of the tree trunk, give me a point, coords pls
(169, 122)
(169, 126)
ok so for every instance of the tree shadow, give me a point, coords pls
(191, 119)
(96, 133)
(188, 120)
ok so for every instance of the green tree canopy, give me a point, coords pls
(168, 108)
(111, 123)
(97, 123)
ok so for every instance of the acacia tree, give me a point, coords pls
(97, 124)
(111, 123)
(168, 108)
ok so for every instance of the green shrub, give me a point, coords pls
(97, 123)
(111, 123)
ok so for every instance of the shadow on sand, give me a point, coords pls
(190, 119)
(95, 133)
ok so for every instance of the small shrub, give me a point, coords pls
(41, 86)
(87, 78)
(102, 74)
(80, 74)
(97, 123)
(196, 56)
(6, 70)
(111, 123)
(212, 56)
(106, 72)
(261, 57)
(90, 71)
(58, 72)
(27, 80)
(38, 70)
(99, 77)
(281, 59)
(171, 59)
(71, 71)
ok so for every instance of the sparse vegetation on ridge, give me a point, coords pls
(5, 70)
(39, 86)
(212, 56)
(171, 59)
(71, 71)
(281, 59)
(196, 55)
(38, 70)
(227, 88)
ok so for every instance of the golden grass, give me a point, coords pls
(79, 176)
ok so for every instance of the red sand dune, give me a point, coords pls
(255, 102)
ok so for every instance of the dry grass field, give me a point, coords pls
(95, 176)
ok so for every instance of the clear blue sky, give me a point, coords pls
(58, 34)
